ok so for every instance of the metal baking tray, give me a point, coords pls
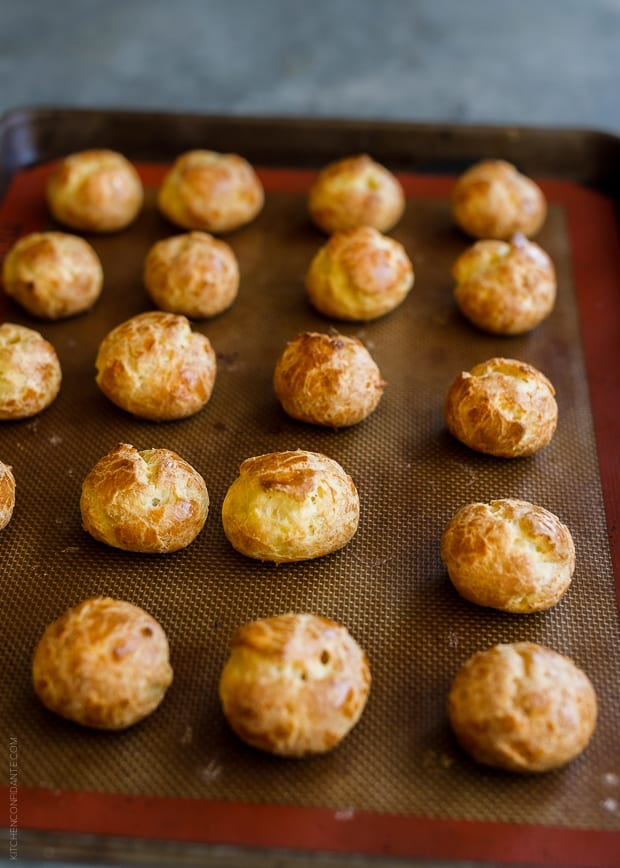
(179, 787)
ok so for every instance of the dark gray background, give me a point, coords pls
(534, 62)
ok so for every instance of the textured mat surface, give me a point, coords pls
(388, 585)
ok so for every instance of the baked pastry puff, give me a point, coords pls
(104, 664)
(355, 191)
(294, 684)
(290, 506)
(97, 190)
(522, 707)
(7, 494)
(193, 274)
(508, 554)
(505, 288)
(502, 407)
(52, 275)
(211, 191)
(492, 199)
(359, 275)
(154, 366)
(327, 380)
(30, 372)
(149, 501)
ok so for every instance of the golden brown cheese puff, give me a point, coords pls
(290, 506)
(494, 200)
(211, 191)
(294, 684)
(359, 275)
(150, 501)
(104, 663)
(356, 191)
(522, 707)
(506, 288)
(193, 274)
(7, 494)
(327, 380)
(154, 366)
(95, 191)
(508, 554)
(502, 407)
(53, 275)
(30, 373)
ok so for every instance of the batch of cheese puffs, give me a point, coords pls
(296, 683)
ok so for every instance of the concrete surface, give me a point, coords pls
(542, 62)
(532, 62)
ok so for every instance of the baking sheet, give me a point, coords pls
(388, 585)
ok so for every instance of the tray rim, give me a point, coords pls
(586, 155)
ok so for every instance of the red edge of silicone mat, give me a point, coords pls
(595, 255)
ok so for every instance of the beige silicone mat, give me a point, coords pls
(388, 585)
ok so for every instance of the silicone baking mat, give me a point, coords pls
(388, 585)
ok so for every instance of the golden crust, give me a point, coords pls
(104, 663)
(509, 554)
(290, 506)
(95, 191)
(150, 501)
(154, 366)
(192, 274)
(327, 380)
(294, 684)
(502, 407)
(30, 373)
(505, 288)
(53, 275)
(494, 200)
(359, 275)
(7, 494)
(522, 707)
(211, 191)
(356, 191)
